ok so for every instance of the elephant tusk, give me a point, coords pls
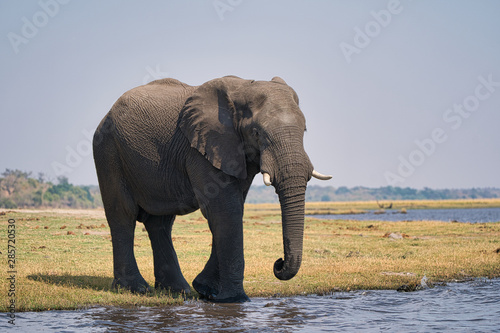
(267, 179)
(320, 176)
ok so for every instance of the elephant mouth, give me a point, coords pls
(266, 177)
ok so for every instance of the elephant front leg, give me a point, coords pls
(207, 283)
(222, 278)
(220, 198)
(168, 273)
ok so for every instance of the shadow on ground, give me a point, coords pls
(80, 281)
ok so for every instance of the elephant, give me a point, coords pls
(167, 148)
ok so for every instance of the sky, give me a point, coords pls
(395, 93)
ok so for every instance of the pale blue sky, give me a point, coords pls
(403, 93)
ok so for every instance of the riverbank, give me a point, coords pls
(64, 258)
(359, 207)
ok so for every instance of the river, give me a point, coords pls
(472, 215)
(472, 306)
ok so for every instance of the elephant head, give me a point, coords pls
(243, 125)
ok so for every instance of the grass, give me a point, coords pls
(64, 258)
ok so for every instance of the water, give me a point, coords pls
(473, 215)
(473, 306)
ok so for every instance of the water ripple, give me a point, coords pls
(458, 307)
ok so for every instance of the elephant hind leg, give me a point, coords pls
(121, 213)
(126, 272)
(168, 273)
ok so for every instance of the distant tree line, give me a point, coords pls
(18, 189)
(262, 194)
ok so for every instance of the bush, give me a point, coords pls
(7, 203)
(18, 189)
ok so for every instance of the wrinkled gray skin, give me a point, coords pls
(167, 149)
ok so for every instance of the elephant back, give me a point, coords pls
(145, 117)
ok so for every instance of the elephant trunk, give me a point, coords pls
(287, 167)
(292, 212)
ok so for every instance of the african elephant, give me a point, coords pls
(167, 149)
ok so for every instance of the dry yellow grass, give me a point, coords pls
(69, 264)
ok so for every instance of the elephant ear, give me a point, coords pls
(207, 120)
(278, 79)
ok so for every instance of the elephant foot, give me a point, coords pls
(172, 281)
(232, 299)
(136, 285)
(181, 288)
(205, 291)
(211, 294)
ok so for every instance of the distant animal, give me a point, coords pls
(168, 148)
(382, 206)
